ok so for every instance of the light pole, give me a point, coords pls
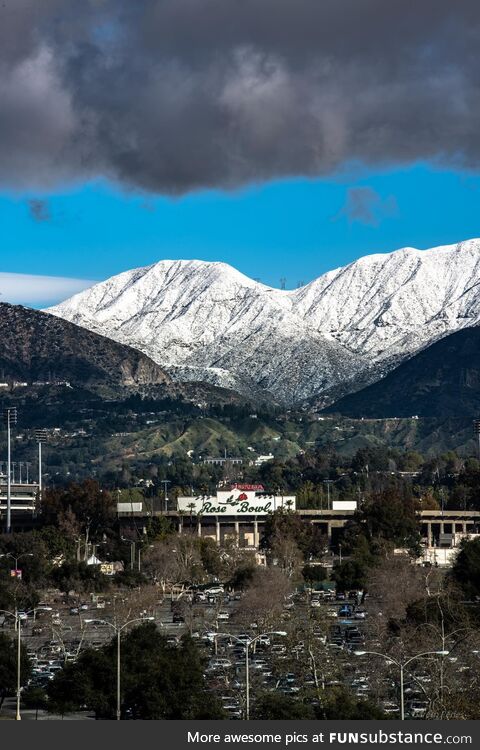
(401, 665)
(40, 437)
(165, 483)
(18, 626)
(10, 419)
(247, 645)
(118, 630)
(328, 482)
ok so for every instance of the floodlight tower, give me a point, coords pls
(476, 432)
(10, 419)
(165, 483)
(40, 437)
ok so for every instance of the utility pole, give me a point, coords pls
(10, 419)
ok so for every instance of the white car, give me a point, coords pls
(214, 591)
(360, 614)
(219, 664)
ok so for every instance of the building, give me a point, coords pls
(233, 513)
(263, 459)
(23, 497)
(221, 461)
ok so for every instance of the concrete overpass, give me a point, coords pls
(436, 526)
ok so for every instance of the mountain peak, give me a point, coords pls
(206, 320)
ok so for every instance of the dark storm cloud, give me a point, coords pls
(174, 95)
(365, 205)
(39, 209)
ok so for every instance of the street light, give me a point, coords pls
(247, 645)
(10, 419)
(401, 666)
(118, 630)
(18, 627)
(16, 558)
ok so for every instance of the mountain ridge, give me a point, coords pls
(36, 345)
(342, 331)
(441, 380)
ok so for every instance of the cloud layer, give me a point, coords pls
(175, 95)
(36, 291)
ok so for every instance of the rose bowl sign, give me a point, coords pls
(235, 502)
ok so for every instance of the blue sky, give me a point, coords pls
(292, 229)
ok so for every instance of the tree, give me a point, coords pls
(159, 681)
(277, 707)
(388, 518)
(264, 599)
(8, 666)
(353, 572)
(466, 568)
(339, 703)
(175, 560)
(86, 505)
(285, 524)
(286, 553)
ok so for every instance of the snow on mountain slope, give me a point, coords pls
(207, 321)
(388, 306)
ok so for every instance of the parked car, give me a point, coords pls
(417, 709)
(214, 590)
(360, 614)
(219, 663)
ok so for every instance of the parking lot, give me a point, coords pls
(317, 642)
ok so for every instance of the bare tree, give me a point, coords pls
(174, 561)
(265, 598)
(286, 553)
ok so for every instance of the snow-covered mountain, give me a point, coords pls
(207, 321)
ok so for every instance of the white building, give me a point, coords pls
(263, 459)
